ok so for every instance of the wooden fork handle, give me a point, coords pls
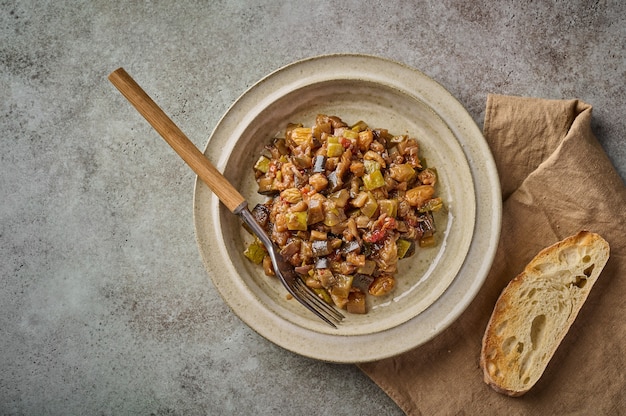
(157, 118)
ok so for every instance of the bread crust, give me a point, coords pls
(536, 309)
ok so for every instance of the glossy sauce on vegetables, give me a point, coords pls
(345, 204)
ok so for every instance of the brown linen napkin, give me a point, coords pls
(556, 180)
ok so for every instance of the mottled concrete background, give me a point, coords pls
(105, 307)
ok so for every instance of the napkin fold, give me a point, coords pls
(556, 180)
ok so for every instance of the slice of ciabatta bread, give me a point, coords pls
(536, 309)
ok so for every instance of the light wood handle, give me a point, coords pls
(176, 139)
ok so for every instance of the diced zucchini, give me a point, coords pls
(389, 207)
(350, 134)
(373, 180)
(296, 221)
(371, 165)
(323, 294)
(263, 164)
(334, 150)
(359, 126)
(433, 204)
(370, 207)
(255, 252)
(406, 248)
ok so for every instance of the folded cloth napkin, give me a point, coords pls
(556, 180)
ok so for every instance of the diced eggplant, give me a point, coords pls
(303, 270)
(318, 235)
(319, 164)
(426, 224)
(281, 146)
(350, 246)
(428, 241)
(340, 290)
(368, 249)
(334, 181)
(266, 186)
(302, 161)
(315, 211)
(340, 198)
(292, 247)
(370, 265)
(325, 277)
(362, 281)
(320, 248)
(356, 303)
(322, 263)
(261, 214)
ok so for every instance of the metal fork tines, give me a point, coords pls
(317, 305)
(289, 278)
(301, 292)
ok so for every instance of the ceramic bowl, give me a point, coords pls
(436, 284)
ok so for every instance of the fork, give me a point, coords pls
(224, 190)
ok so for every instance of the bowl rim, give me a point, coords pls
(466, 283)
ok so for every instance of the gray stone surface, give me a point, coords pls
(105, 307)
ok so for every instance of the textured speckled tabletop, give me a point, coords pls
(105, 307)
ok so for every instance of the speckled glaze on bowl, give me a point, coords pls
(436, 284)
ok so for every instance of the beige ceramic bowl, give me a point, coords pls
(436, 284)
